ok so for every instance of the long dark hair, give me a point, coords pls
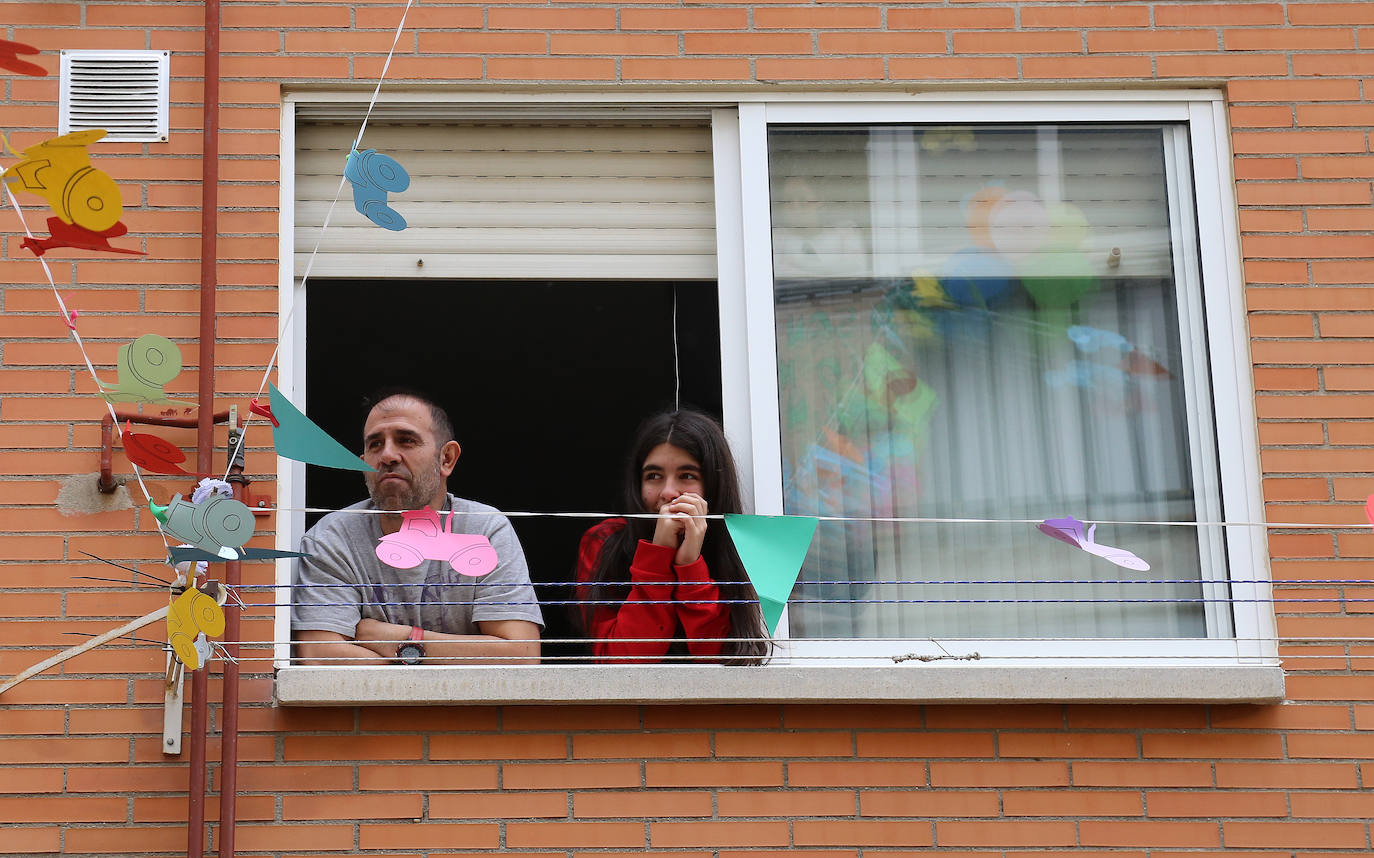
(702, 438)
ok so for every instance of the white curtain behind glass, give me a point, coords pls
(981, 323)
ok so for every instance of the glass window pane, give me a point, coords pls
(983, 322)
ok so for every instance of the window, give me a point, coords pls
(983, 322)
(1002, 318)
(971, 308)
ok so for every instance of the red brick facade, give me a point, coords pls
(81, 770)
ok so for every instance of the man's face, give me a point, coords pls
(412, 470)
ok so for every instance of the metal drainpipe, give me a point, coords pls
(205, 427)
(229, 711)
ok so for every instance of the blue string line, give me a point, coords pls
(1200, 600)
(800, 583)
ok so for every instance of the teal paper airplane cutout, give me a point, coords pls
(297, 437)
(772, 548)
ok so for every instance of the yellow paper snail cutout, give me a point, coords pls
(59, 170)
(193, 613)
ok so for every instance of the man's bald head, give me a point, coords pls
(440, 424)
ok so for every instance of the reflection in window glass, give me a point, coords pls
(984, 322)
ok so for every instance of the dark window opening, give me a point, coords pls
(546, 382)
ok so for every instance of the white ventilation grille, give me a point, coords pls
(124, 92)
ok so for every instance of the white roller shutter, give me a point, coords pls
(623, 200)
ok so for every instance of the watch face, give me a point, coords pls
(410, 653)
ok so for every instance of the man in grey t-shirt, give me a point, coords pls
(350, 608)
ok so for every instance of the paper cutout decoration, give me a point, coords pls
(372, 175)
(1089, 339)
(298, 437)
(152, 453)
(191, 614)
(59, 170)
(78, 237)
(144, 366)
(184, 554)
(219, 525)
(69, 314)
(9, 59)
(1070, 530)
(1058, 272)
(1131, 359)
(772, 549)
(421, 538)
(928, 292)
(210, 486)
(262, 410)
(1088, 375)
(204, 648)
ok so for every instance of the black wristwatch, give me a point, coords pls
(413, 649)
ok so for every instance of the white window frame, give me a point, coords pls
(1242, 667)
(1235, 455)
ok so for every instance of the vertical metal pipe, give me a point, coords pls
(229, 711)
(195, 813)
(205, 427)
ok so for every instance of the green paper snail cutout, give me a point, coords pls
(218, 525)
(144, 366)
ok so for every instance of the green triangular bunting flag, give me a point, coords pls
(772, 548)
(298, 437)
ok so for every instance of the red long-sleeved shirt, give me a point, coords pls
(691, 609)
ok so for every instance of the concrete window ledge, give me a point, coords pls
(541, 684)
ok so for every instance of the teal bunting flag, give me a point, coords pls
(772, 548)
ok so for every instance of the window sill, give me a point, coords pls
(540, 684)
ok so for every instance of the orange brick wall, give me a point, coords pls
(81, 771)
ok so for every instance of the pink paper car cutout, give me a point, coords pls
(420, 538)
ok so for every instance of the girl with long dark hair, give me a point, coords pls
(672, 586)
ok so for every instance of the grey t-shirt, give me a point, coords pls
(342, 550)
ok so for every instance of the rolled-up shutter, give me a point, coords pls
(623, 200)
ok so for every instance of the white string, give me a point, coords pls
(80, 344)
(677, 371)
(1276, 525)
(621, 661)
(385, 67)
(314, 251)
(1301, 641)
(1273, 600)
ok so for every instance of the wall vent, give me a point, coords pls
(124, 92)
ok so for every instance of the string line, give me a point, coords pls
(856, 582)
(876, 519)
(677, 371)
(81, 345)
(1288, 641)
(314, 251)
(1180, 600)
(784, 659)
(668, 661)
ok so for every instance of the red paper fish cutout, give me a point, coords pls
(70, 235)
(263, 410)
(152, 453)
(9, 59)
